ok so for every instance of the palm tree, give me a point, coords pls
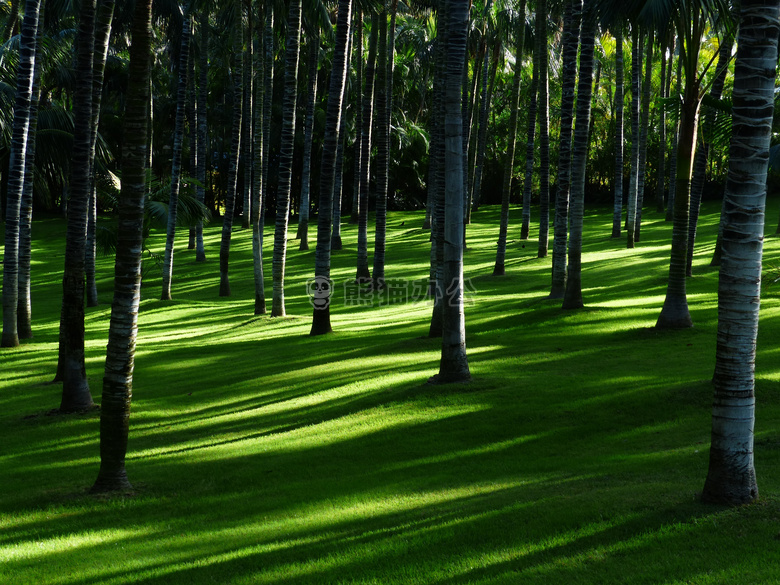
(10, 336)
(675, 144)
(358, 147)
(105, 12)
(666, 39)
(644, 127)
(731, 477)
(382, 153)
(509, 162)
(235, 151)
(120, 355)
(636, 82)
(308, 129)
(619, 108)
(321, 320)
(247, 116)
(544, 129)
(572, 298)
(286, 155)
(572, 17)
(454, 365)
(257, 162)
(529, 146)
(71, 369)
(178, 140)
(202, 124)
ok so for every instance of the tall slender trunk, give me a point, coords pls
(247, 126)
(509, 161)
(660, 187)
(484, 108)
(579, 157)
(636, 82)
(382, 154)
(544, 132)
(105, 12)
(703, 152)
(358, 147)
(617, 210)
(72, 369)
(454, 365)
(268, 44)
(529, 149)
(645, 123)
(308, 130)
(572, 18)
(176, 159)
(235, 155)
(192, 125)
(24, 87)
(24, 305)
(675, 146)
(363, 274)
(731, 477)
(285, 156)
(321, 319)
(202, 123)
(258, 157)
(123, 328)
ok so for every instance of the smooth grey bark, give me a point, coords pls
(202, 124)
(636, 83)
(257, 160)
(544, 132)
(731, 476)
(358, 146)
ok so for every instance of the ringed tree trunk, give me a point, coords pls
(644, 122)
(363, 275)
(731, 478)
(178, 141)
(308, 130)
(382, 155)
(335, 237)
(25, 76)
(666, 70)
(256, 205)
(572, 17)
(321, 319)
(285, 156)
(454, 365)
(358, 147)
(24, 306)
(675, 146)
(201, 106)
(247, 126)
(509, 161)
(544, 132)
(72, 369)
(120, 355)
(529, 149)
(235, 155)
(484, 108)
(636, 82)
(617, 210)
(572, 298)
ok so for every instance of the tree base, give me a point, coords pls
(320, 324)
(498, 270)
(335, 243)
(674, 318)
(115, 482)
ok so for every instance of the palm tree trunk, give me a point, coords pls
(703, 152)
(617, 210)
(529, 149)
(363, 274)
(484, 108)
(573, 296)
(572, 18)
(675, 147)
(192, 124)
(75, 388)
(358, 148)
(321, 319)
(176, 159)
(285, 156)
(105, 12)
(731, 477)
(235, 155)
(120, 355)
(509, 162)
(454, 365)
(256, 205)
(202, 123)
(308, 130)
(24, 305)
(636, 82)
(645, 123)
(382, 154)
(268, 43)
(660, 187)
(25, 76)
(246, 121)
(544, 132)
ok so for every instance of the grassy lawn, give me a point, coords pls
(261, 455)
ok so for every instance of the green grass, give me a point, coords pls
(262, 455)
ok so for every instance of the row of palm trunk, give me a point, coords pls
(731, 476)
